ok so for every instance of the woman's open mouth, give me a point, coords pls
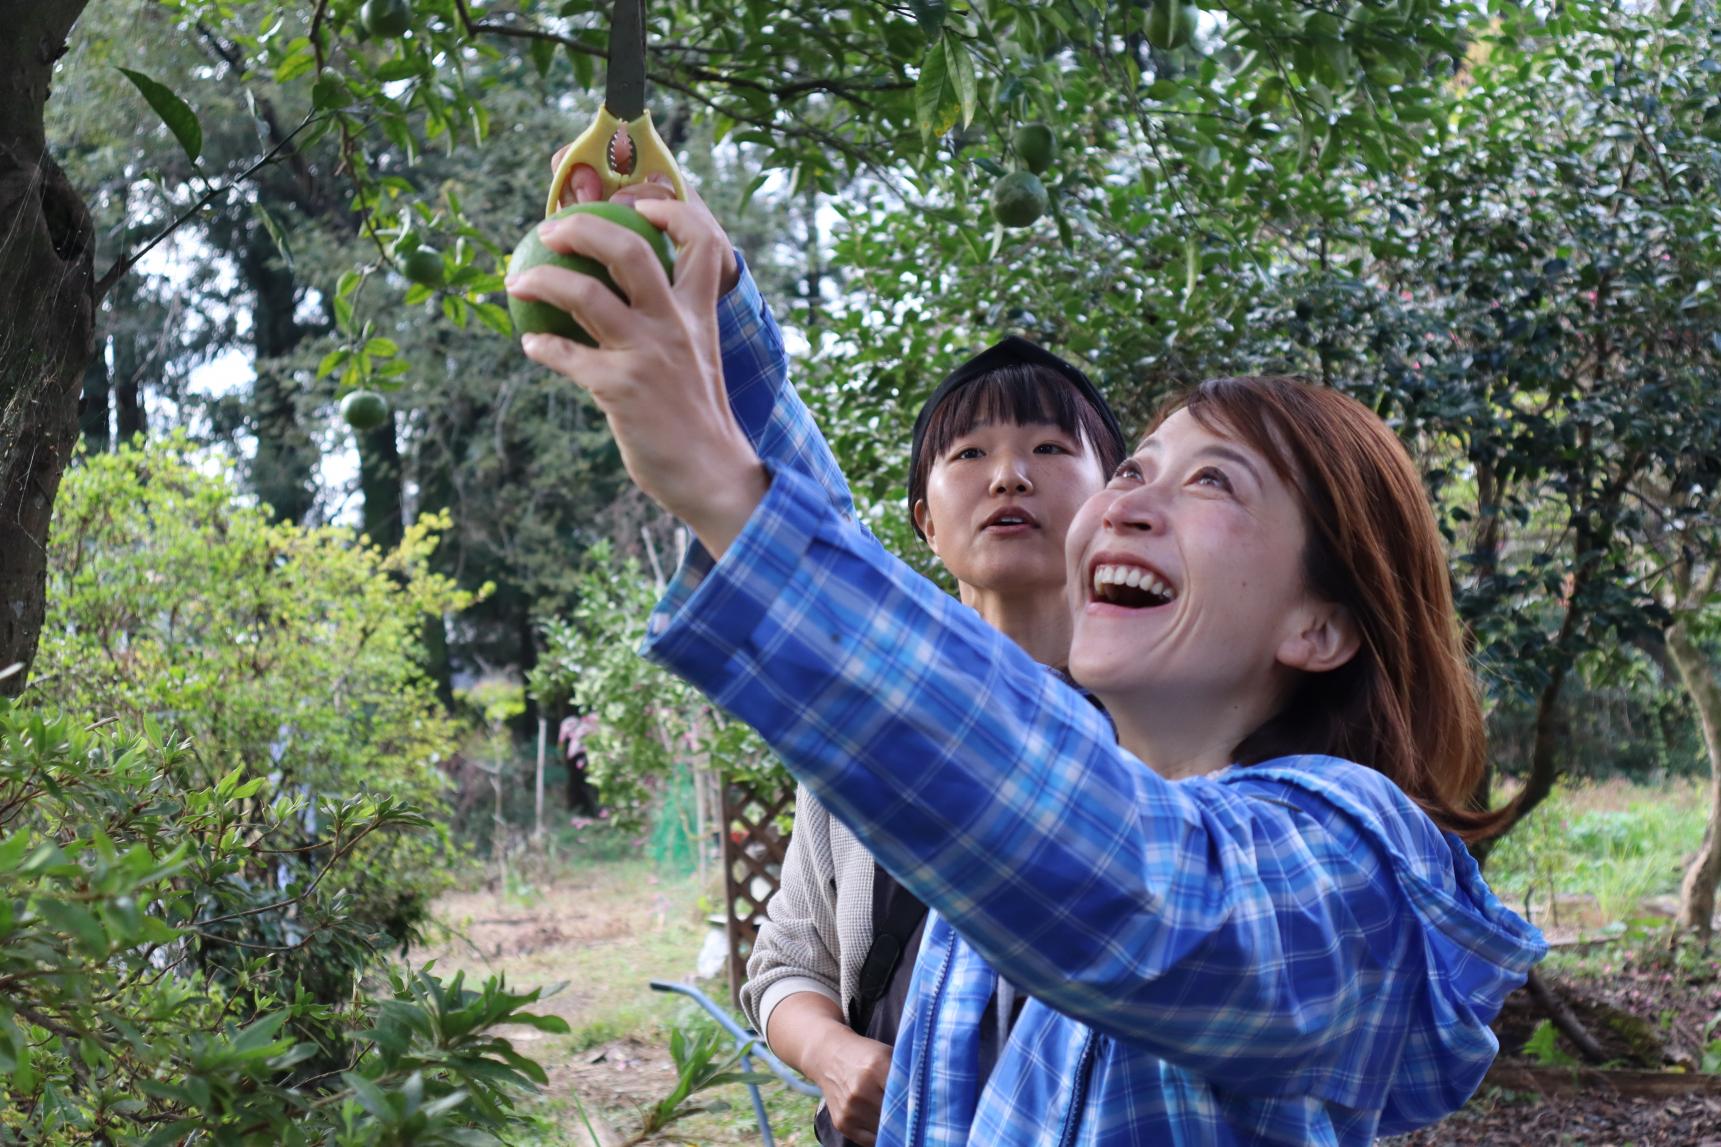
(1010, 520)
(1130, 586)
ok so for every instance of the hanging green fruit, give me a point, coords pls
(423, 265)
(1036, 146)
(364, 410)
(1019, 199)
(386, 19)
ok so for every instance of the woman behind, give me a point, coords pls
(1254, 921)
(1004, 452)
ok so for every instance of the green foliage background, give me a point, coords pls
(1497, 225)
(219, 813)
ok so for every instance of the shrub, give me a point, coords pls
(287, 657)
(649, 722)
(120, 879)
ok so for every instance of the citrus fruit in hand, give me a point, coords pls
(1018, 199)
(386, 19)
(1035, 146)
(364, 409)
(531, 316)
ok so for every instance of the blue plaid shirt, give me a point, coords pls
(1289, 953)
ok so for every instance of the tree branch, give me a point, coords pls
(126, 263)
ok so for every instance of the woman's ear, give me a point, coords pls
(1326, 638)
(923, 519)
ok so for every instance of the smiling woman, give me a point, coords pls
(1285, 945)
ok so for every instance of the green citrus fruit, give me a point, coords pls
(1035, 146)
(546, 318)
(423, 265)
(1170, 24)
(1018, 199)
(386, 19)
(364, 409)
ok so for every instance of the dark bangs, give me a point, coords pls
(1019, 394)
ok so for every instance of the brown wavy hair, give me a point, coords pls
(1407, 703)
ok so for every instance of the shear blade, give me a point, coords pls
(624, 90)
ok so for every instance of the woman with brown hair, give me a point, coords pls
(1005, 450)
(1251, 918)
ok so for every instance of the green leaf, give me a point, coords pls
(331, 93)
(929, 14)
(932, 91)
(370, 1095)
(584, 69)
(260, 1034)
(301, 60)
(276, 232)
(402, 69)
(76, 923)
(494, 317)
(966, 88)
(174, 112)
(543, 56)
(12, 850)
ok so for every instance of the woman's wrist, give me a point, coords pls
(725, 509)
(803, 1029)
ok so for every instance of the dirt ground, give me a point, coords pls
(605, 929)
(1652, 1012)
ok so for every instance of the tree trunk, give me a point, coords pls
(1697, 891)
(130, 361)
(95, 414)
(284, 470)
(48, 298)
(133, 421)
(379, 482)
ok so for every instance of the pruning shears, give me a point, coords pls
(624, 108)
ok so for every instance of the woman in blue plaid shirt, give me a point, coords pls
(1254, 920)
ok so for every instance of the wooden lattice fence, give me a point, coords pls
(753, 851)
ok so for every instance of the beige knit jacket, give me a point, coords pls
(819, 924)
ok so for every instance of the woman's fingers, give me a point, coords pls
(583, 184)
(655, 187)
(603, 314)
(588, 188)
(701, 246)
(631, 261)
(555, 166)
(586, 365)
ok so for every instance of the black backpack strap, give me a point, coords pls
(896, 913)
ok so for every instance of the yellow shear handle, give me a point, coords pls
(650, 157)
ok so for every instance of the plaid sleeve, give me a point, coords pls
(769, 409)
(1229, 932)
(771, 413)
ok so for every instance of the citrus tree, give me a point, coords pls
(916, 104)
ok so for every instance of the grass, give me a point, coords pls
(1589, 855)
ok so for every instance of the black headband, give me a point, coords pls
(1011, 350)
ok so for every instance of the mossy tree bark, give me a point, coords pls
(48, 295)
